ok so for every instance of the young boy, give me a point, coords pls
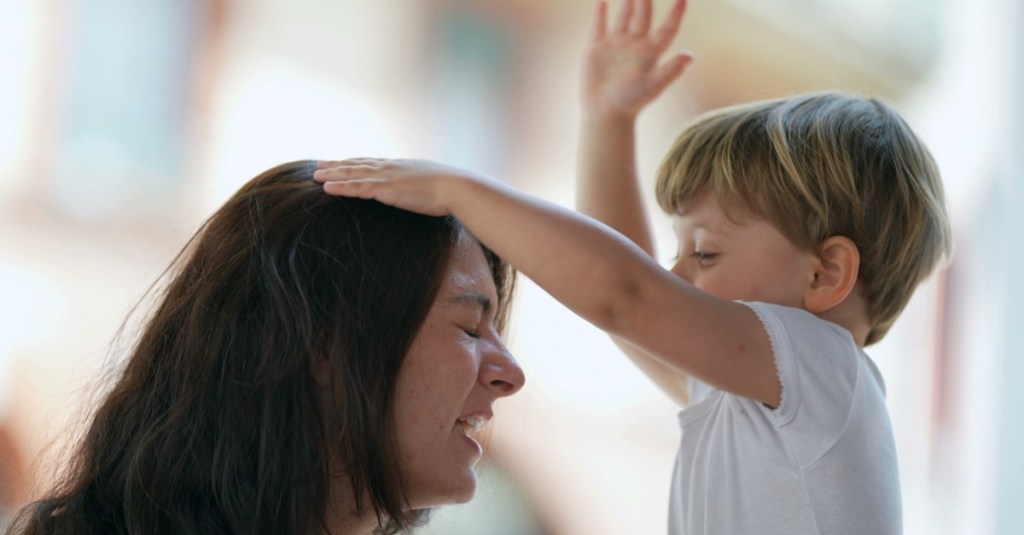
(804, 225)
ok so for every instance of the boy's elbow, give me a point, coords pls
(623, 292)
(622, 309)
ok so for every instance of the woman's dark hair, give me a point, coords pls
(270, 359)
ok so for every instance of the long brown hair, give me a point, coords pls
(220, 421)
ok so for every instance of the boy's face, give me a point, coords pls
(743, 258)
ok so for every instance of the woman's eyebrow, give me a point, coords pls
(473, 298)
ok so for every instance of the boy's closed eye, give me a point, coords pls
(704, 258)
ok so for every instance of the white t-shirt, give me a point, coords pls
(823, 462)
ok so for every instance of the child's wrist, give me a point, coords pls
(609, 118)
(464, 188)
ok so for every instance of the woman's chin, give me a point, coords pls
(467, 495)
(459, 490)
(464, 489)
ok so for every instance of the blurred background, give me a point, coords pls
(123, 124)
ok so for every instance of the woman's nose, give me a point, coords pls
(500, 373)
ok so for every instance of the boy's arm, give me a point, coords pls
(587, 266)
(620, 76)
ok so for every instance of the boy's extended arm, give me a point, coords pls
(608, 190)
(587, 266)
(620, 76)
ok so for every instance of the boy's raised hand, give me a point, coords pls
(420, 186)
(620, 70)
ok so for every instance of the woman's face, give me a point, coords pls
(456, 368)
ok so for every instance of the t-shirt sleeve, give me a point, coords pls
(817, 366)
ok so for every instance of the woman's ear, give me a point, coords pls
(835, 274)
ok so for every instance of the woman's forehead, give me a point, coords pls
(469, 276)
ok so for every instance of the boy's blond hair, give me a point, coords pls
(822, 165)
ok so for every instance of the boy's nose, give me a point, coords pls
(500, 373)
(681, 270)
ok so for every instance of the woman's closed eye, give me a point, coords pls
(471, 332)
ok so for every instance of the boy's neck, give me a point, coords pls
(852, 315)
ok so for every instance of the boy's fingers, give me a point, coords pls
(625, 15)
(355, 184)
(667, 73)
(642, 24)
(329, 164)
(357, 187)
(600, 20)
(668, 29)
(343, 171)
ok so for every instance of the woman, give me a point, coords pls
(315, 364)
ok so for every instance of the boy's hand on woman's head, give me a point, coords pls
(621, 71)
(420, 186)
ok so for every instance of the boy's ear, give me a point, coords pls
(835, 274)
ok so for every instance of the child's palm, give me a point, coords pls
(621, 72)
(414, 185)
(617, 74)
